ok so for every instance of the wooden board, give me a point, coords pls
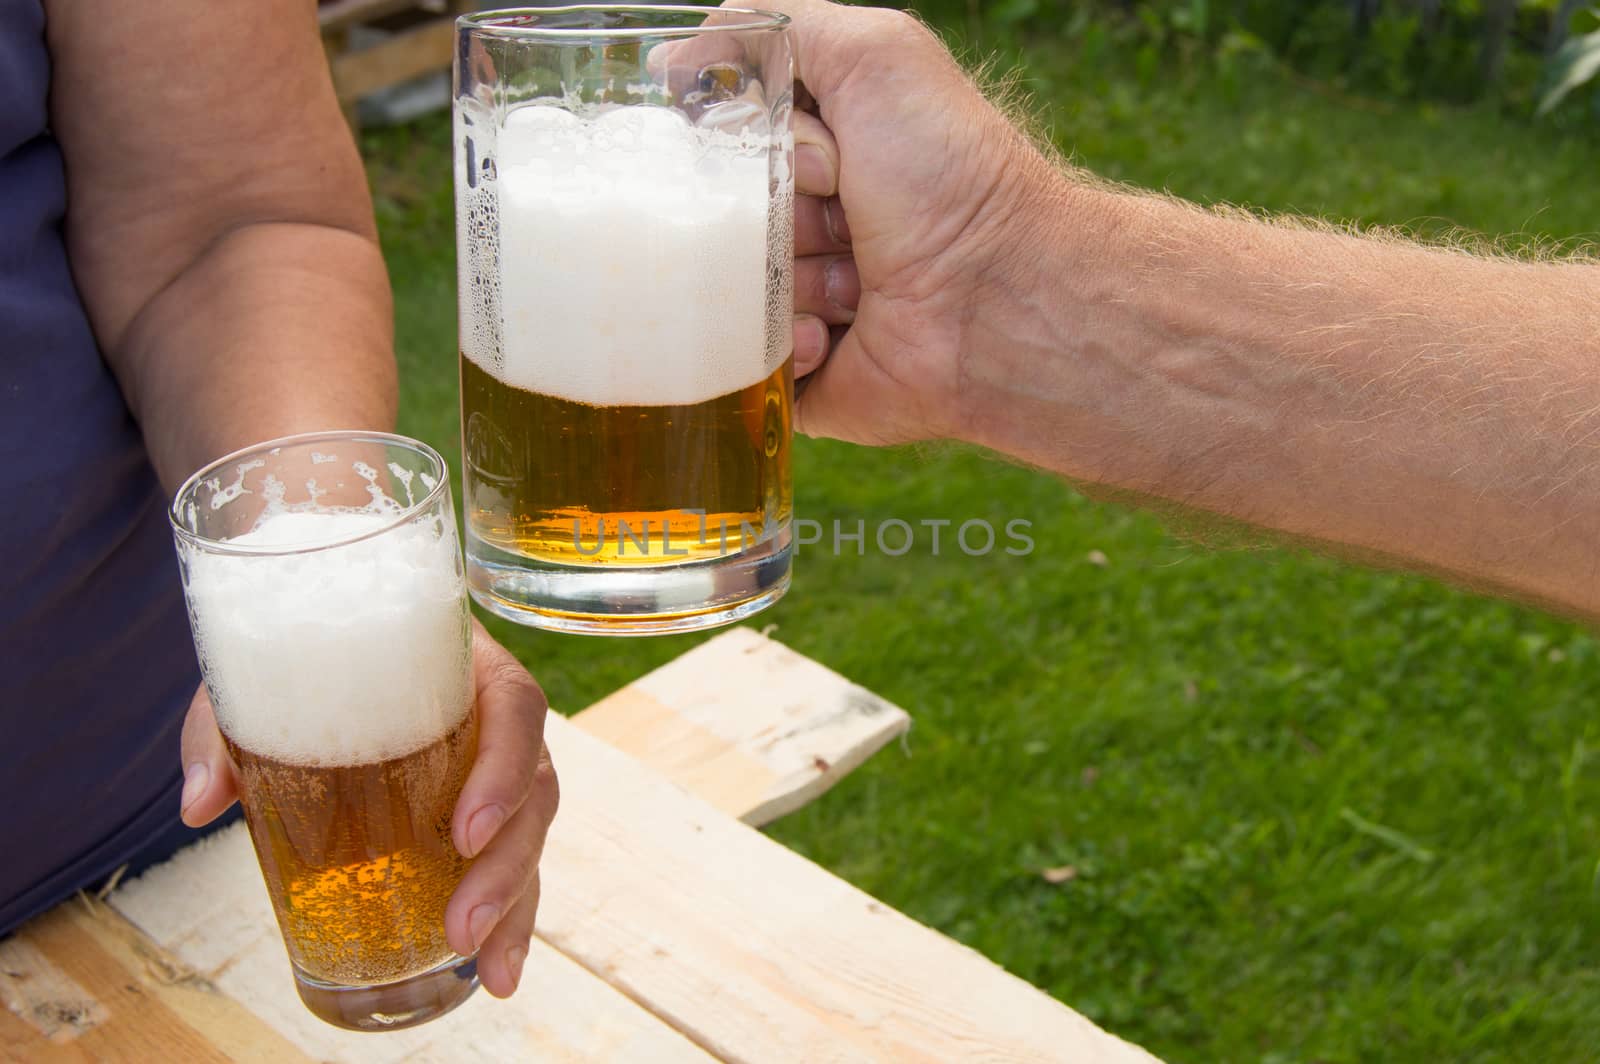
(759, 955)
(747, 724)
(404, 56)
(668, 931)
(82, 984)
(208, 906)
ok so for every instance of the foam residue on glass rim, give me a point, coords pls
(620, 255)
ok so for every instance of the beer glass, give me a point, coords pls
(625, 246)
(326, 597)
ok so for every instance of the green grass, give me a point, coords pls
(1315, 813)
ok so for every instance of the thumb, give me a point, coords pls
(832, 41)
(209, 784)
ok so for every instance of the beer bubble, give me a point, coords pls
(780, 278)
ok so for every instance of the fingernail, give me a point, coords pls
(514, 958)
(480, 922)
(844, 284)
(195, 782)
(812, 171)
(481, 828)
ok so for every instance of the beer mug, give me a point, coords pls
(326, 596)
(625, 246)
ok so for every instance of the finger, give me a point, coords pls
(843, 398)
(816, 226)
(816, 157)
(692, 66)
(838, 221)
(511, 711)
(499, 877)
(827, 286)
(209, 784)
(500, 959)
(811, 343)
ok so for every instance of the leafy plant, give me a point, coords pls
(1519, 53)
(1574, 65)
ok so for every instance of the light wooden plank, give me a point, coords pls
(200, 1004)
(405, 55)
(758, 954)
(39, 993)
(746, 724)
(209, 907)
(132, 1023)
(745, 948)
(20, 1043)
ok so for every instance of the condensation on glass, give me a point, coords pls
(625, 240)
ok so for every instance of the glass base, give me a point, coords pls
(628, 600)
(391, 1006)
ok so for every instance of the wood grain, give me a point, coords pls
(209, 907)
(407, 54)
(757, 954)
(746, 724)
(35, 990)
(669, 931)
(221, 1020)
(130, 1018)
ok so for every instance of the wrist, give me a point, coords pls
(1023, 350)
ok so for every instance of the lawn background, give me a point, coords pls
(1313, 813)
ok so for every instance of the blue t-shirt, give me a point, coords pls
(96, 664)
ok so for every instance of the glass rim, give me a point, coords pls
(497, 23)
(223, 546)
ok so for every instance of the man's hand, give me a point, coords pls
(919, 202)
(501, 818)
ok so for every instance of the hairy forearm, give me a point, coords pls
(1435, 408)
(275, 328)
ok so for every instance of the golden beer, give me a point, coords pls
(577, 484)
(358, 858)
(325, 590)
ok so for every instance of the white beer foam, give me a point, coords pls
(632, 259)
(342, 656)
